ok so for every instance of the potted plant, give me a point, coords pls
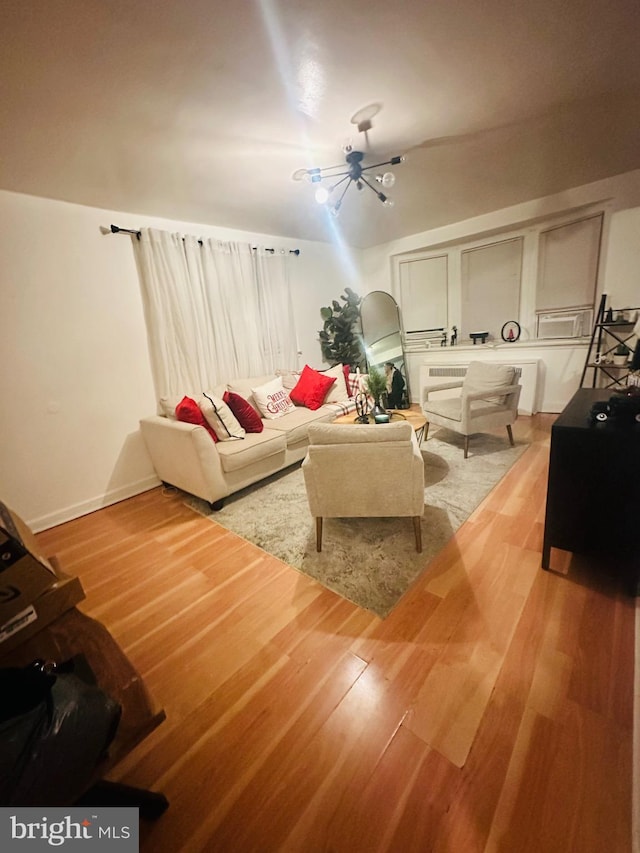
(341, 337)
(376, 385)
(621, 355)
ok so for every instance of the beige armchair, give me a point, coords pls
(364, 471)
(488, 399)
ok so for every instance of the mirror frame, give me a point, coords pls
(395, 325)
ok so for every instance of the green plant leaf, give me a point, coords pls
(341, 339)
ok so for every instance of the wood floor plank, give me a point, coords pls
(299, 722)
(449, 707)
(600, 816)
(372, 819)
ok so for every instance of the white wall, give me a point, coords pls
(621, 280)
(619, 270)
(76, 377)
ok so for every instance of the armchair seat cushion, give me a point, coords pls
(488, 399)
(452, 408)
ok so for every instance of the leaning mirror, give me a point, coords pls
(382, 337)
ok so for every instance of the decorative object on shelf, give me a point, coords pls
(454, 336)
(479, 336)
(621, 355)
(613, 339)
(510, 332)
(342, 175)
(362, 408)
(376, 384)
(341, 337)
(382, 418)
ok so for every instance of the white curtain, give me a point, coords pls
(214, 311)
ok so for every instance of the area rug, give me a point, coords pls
(370, 561)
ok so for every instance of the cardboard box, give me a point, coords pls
(64, 593)
(23, 577)
(15, 527)
(33, 590)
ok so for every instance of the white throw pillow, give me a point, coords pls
(289, 378)
(338, 392)
(272, 399)
(168, 406)
(220, 417)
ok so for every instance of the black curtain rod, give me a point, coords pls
(115, 229)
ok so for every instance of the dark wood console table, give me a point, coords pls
(593, 496)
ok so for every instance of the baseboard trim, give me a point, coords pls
(44, 522)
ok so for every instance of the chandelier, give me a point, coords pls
(339, 178)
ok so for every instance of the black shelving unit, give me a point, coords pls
(607, 335)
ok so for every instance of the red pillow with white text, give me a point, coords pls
(245, 414)
(189, 412)
(311, 388)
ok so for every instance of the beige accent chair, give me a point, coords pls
(488, 399)
(364, 471)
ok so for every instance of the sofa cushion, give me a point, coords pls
(289, 378)
(236, 455)
(272, 399)
(220, 417)
(246, 415)
(346, 370)
(338, 392)
(168, 406)
(189, 412)
(243, 387)
(294, 425)
(312, 388)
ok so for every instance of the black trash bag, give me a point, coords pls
(56, 725)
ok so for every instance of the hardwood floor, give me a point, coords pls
(296, 721)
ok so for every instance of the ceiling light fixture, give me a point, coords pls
(344, 177)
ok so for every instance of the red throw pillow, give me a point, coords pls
(346, 370)
(311, 388)
(245, 414)
(188, 411)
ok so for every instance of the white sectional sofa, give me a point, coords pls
(184, 455)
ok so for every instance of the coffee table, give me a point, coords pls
(414, 415)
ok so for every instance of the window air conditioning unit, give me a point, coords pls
(565, 324)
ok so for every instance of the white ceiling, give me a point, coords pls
(201, 111)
